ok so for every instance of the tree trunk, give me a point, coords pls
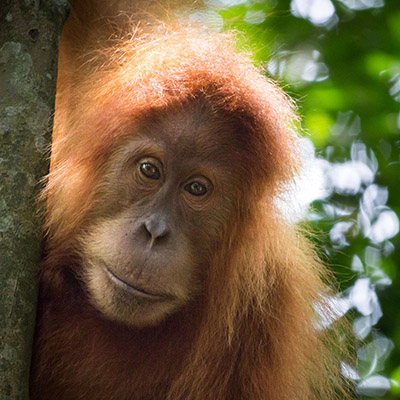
(29, 36)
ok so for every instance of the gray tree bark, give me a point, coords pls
(29, 36)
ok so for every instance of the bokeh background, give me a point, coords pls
(340, 61)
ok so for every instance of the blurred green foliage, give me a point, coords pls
(340, 60)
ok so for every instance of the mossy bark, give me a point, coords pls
(29, 37)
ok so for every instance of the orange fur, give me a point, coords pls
(254, 334)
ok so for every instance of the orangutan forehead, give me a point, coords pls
(191, 130)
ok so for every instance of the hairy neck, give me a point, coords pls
(91, 357)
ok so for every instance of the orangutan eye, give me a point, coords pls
(149, 170)
(196, 188)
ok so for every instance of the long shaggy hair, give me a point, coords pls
(255, 333)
